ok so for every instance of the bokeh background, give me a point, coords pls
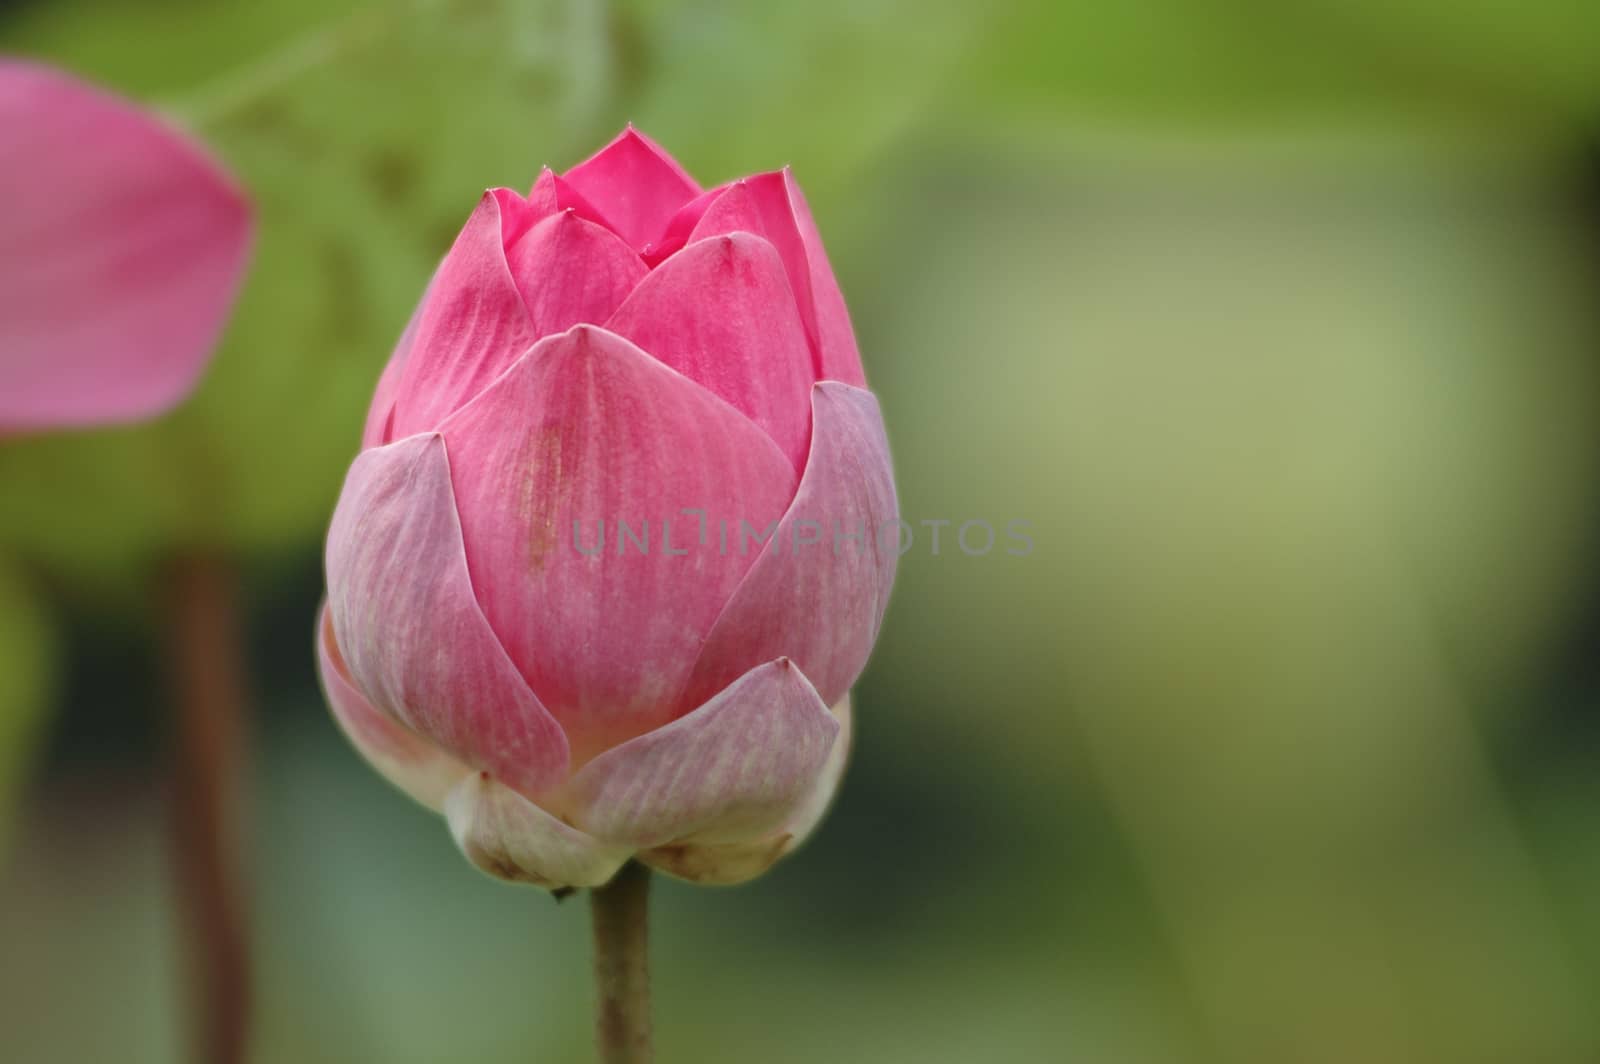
(1276, 322)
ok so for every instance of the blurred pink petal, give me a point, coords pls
(510, 838)
(404, 758)
(819, 602)
(721, 313)
(731, 771)
(122, 246)
(410, 630)
(636, 184)
(588, 428)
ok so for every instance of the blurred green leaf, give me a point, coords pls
(26, 666)
(1509, 66)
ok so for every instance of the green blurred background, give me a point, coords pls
(1279, 325)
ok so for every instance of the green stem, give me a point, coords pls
(622, 967)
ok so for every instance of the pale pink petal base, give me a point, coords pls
(735, 769)
(725, 864)
(399, 754)
(510, 838)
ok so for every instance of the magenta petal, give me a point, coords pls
(471, 325)
(841, 358)
(402, 756)
(735, 862)
(542, 200)
(731, 771)
(410, 630)
(721, 313)
(676, 233)
(570, 270)
(815, 594)
(587, 428)
(511, 838)
(379, 428)
(637, 185)
(122, 245)
(771, 205)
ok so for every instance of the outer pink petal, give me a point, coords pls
(636, 184)
(570, 270)
(736, 862)
(721, 313)
(402, 756)
(730, 772)
(820, 602)
(841, 358)
(410, 630)
(773, 206)
(471, 325)
(511, 838)
(588, 428)
(380, 413)
(122, 245)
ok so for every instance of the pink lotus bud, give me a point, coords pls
(121, 248)
(623, 530)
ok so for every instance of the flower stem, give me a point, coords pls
(622, 966)
(208, 743)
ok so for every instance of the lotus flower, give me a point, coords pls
(122, 245)
(618, 350)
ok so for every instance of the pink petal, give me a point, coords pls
(570, 270)
(731, 771)
(471, 325)
(122, 246)
(411, 632)
(380, 414)
(588, 428)
(821, 603)
(402, 756)
(809, 813)
(735, 862)
(841, 358)
(721, 313)
(511, 838)
(772, 205)
(681, 224)
(542, 198)
(636, 183)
